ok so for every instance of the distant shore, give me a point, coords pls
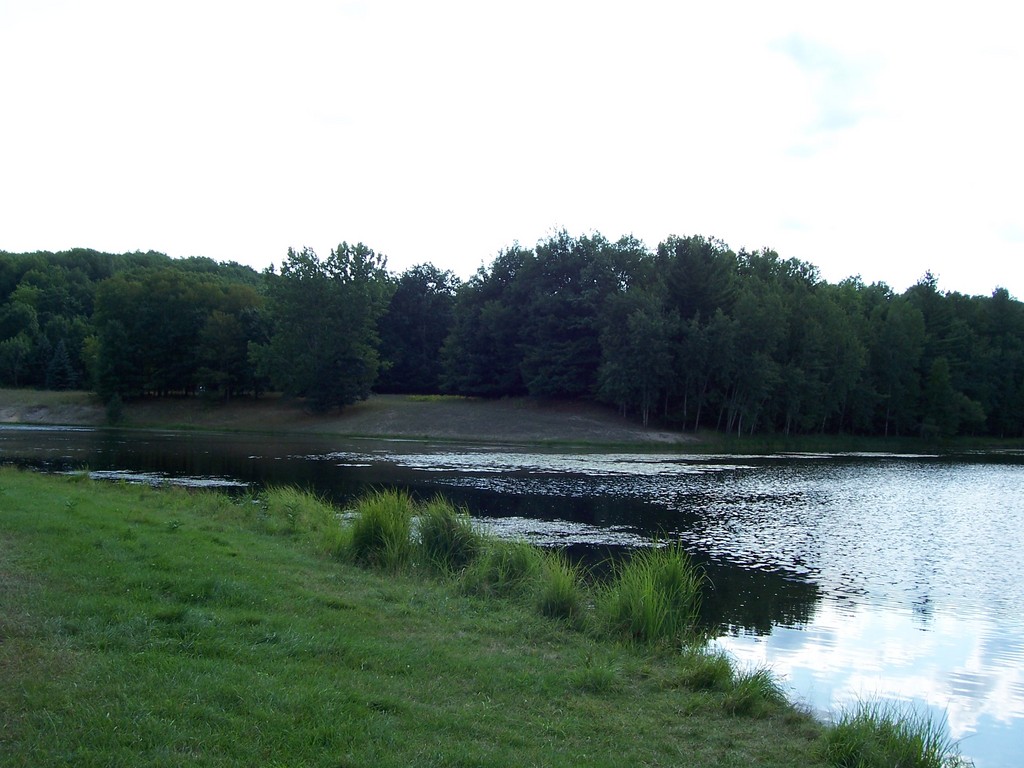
(520, 420)
(512, 420)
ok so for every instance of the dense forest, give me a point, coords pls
(691, 334)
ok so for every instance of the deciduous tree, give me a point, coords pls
(323, 346)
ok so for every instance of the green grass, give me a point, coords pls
(291, 511)
(381, 531)
(875, 735)
(150, 627)
(561, 592)
(446, 535)
(654, 596)
(504, 569)
(753, 692)
(705, 670)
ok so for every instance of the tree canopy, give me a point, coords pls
(323, 343)
(691, 334)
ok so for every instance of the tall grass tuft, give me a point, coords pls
(504, 569)
(654, 596)
(705, 670)
(755, 692)
(447, 538)
(381, 530)
(288, 510)
(561, 587)
(876, 734)
(278, 514)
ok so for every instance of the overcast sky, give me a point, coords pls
(874, 139)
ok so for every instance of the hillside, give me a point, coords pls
(506, 420)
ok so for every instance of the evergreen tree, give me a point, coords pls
(59, 373)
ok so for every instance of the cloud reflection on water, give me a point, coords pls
(962, 667)
(912, 559)
(851, 575)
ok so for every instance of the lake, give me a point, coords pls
(852, 576)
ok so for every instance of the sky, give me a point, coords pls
(876, 139)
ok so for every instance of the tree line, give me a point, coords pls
(691, 334)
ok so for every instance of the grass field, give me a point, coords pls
(522, 420)
(161, 627)
(511, 420)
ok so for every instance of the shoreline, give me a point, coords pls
(243, 632)
(412, 417)
(442, 418)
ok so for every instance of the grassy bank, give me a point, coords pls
(162, 627)
(32, 406)
(158, 627)
(523, 421)
(510, 420)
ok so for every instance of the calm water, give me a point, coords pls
(852, 576)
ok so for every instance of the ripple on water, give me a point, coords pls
(163, 479)
(852, 574)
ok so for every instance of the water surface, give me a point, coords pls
(851, 576)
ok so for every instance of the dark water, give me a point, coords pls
(851, 576)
